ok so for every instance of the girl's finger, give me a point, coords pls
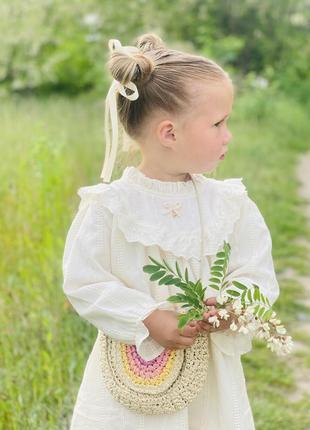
(211, 313)
(211, 301)
(189, 331)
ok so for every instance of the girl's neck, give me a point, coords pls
(163, 176)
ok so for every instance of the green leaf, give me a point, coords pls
(249, 296)
(172, 282)
(233, 293)
(257, 307)
(267, 314)
(186, 275)
(256, 294)
(215, 287)
(150, 268)
(260, 312)
(219, 262)
(178, 269)
(165, 279)
(156, 262)
(218, 281)
(243, 296)
(178, 298)
(217, 268)
(240, 286)
(183, 320)
(215, 273)
(167, 265)
(157, 275)
(221, 254)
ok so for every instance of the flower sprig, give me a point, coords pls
(248, 308)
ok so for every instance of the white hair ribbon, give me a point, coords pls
(111, 111)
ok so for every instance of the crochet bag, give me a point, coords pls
(163, 385)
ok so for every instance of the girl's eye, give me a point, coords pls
(218, 123)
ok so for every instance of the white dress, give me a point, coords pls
(117, 226)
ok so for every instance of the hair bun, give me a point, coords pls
(149, 41)
(128, 63)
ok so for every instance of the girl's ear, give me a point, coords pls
(166, 133)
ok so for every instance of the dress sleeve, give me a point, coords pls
(94, 292)
(250, 262)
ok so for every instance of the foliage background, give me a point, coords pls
(52, 87)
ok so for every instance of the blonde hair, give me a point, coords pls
(162, 77)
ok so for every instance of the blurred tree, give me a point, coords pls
(56, 45)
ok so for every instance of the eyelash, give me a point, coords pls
(218, 123)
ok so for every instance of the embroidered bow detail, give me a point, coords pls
(173, 209)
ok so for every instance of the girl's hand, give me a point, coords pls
(204, 325)
(163, 327)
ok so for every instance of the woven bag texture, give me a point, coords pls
(163, 385)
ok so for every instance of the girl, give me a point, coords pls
(175, 108)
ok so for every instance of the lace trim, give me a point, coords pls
(227, 198)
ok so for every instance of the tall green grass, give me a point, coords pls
(50, 147)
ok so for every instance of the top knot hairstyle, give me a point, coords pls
(150, 77)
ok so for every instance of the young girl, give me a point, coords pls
(175, 107)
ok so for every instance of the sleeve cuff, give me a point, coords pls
(146, 346)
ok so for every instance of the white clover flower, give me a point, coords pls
(214, 321)
(223, 314)
(233, 326)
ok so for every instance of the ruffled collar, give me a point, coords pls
(155, 212)
(134, 176)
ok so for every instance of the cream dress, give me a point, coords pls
(117, 226)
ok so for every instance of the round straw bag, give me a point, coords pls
(163, 385)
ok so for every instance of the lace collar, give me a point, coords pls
(167, 215)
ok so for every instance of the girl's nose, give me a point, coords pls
(228, 136)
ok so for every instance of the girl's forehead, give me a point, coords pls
(212, 98)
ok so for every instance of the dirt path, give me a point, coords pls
(300, 371)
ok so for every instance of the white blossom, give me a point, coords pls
(280, 329)
(233, 326)
(237, 306)
(222, 298)
(214, 321)
(223, 314)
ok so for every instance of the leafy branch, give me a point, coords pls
(192, 295)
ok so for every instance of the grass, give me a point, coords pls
(50, 147)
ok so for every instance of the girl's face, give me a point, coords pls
(202, 134)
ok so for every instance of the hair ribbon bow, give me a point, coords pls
(111, 113)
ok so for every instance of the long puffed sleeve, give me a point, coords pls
(94, 292)
(250, 263)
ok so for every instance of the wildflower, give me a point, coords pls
(223, 314)
(214, 321)
(233, 326)
(280, 329)
(237, 307)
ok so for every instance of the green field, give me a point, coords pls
(52, 146)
